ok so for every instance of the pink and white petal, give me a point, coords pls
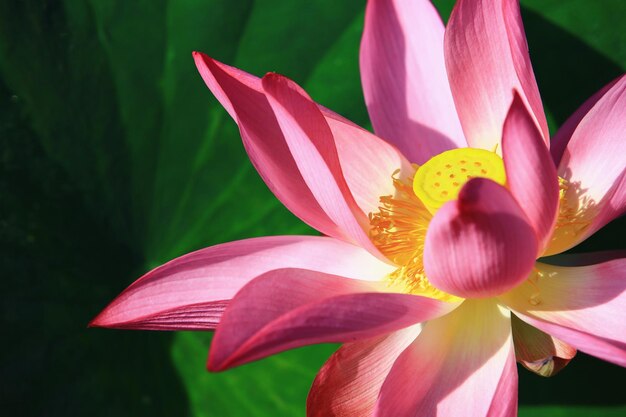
(242, 96)
(462, 364)
(364, 158)
(404, 78)
(349, 382)
(289, 308)
(593, 165)
(564, 134)
(487, 58)
(583, 306)
(480, 245)
(367, 162)
(191, 292)
(312, 145)
(539, 352)
(531, 174)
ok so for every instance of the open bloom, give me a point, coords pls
(427, 272)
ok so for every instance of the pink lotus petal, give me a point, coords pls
(312, 145)
(191, 292)
(487, 58)
(583, 306)
(364, 158)
(367, 162)
(562, 137)
(481, 244)
(404, 78)
(462, 364)
(531, 174)
(349, 382)
(288, 308)
(538, 351)
(593, 164)
(242, 97)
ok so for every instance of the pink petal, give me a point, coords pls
(191, 292)
(312, 146)
(462, 364)
(288, 308)
(487, 58)
(364, 158)
(367, 162)
(531, 174)
(349, 382)
(404, 78)
(583, 306)
(539, 352)
(593, 164)
(562, 137)
(481, 244)
(241, 95)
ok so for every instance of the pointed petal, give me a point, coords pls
(191, 292)
(312, 146)
(481, 244)
(559, 141)
(404, 78)
(288, 308)
(242, 95)
(583, 306)
(462, 364)
(538, 351)
(487, 58)
(349, 382)
(531, 174)
(593, 165)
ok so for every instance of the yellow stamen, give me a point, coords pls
(576, 210)
(441, 178)
(572, 215)
(398, 230)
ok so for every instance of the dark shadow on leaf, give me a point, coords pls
(568, 71)
(62, 224)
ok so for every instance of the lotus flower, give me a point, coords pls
(428, 269)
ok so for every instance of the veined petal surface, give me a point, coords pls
(404, 78)
(288, 308)
(594, 166)
(487, 58)
(349, 382)
(530, 172)
(191, 292)
(539, 352)
(462, 364)
(363, 158)
(559, 141)
(312, 145)
(583, 306)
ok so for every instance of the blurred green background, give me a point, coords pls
(116, 158)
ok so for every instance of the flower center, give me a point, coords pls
(398, 230)
(441, 178)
